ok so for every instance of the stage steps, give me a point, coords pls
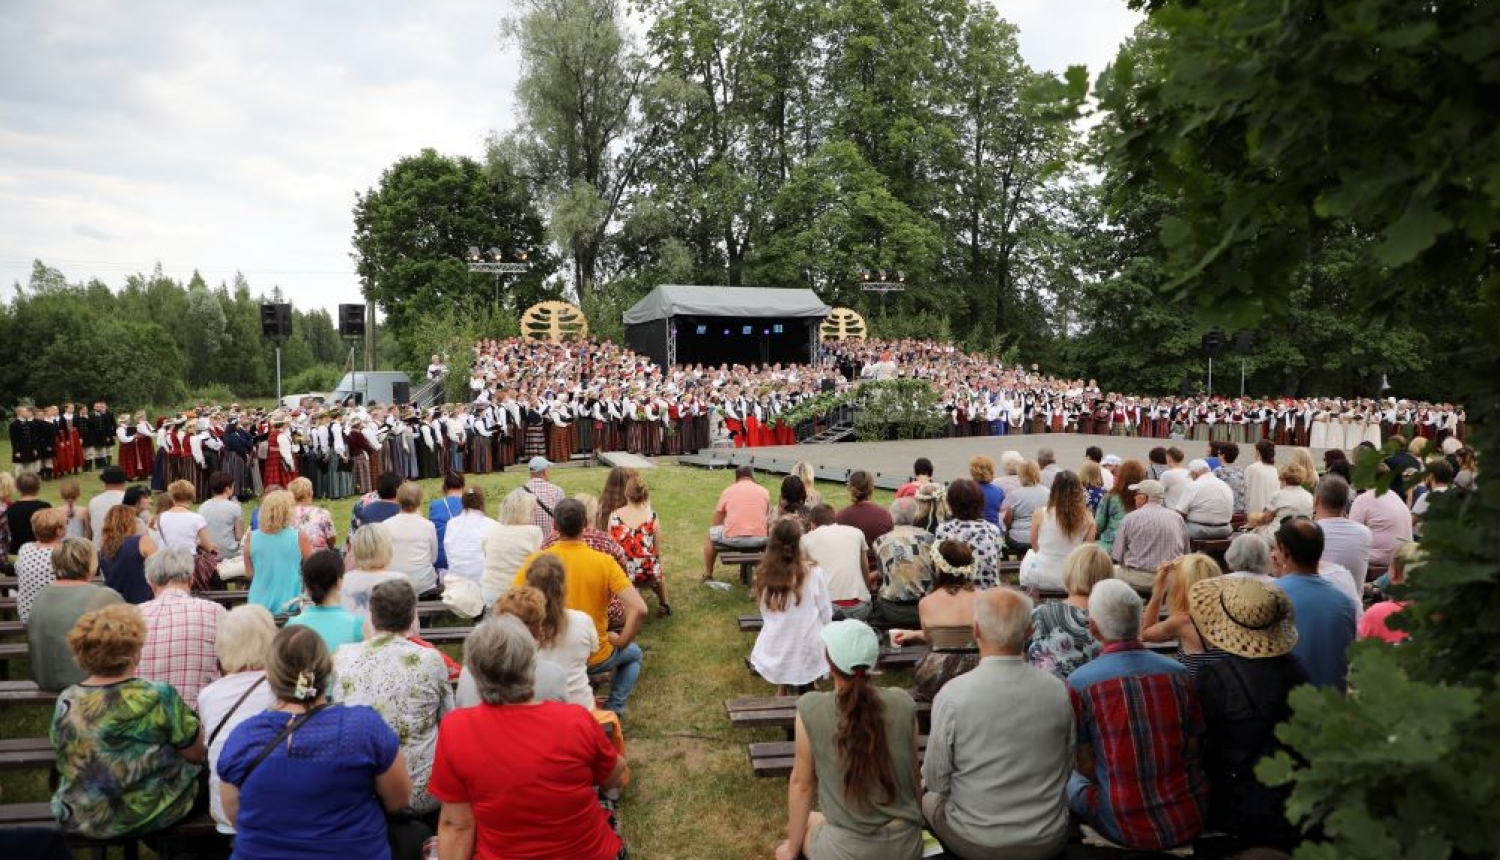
(836, 433)
(625, 459)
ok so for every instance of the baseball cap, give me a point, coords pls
(1150, 487)
(1198, 466)
(539, 464)
(852, 645)
(1110, 460)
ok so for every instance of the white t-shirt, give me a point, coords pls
(414, 549)
(570, 653)
(99, 509)
(1177, 482)
(179, 529)
(214, 702)
(354, 595)
(463, 542)
(837, 549)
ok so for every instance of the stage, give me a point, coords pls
(891, 461)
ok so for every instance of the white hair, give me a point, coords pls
(904, 511)
(1115, 609)
(169, 566)
(1004, 618)
(1249, 552)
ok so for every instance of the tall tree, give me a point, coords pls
(412, 232)
(205, 332)
(1271, 125)
(576, 140)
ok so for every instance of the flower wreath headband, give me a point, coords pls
(942, 564)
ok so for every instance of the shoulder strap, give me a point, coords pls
(291, 725)
(539, 503)
(240, 701)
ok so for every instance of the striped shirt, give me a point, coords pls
(1150, 535)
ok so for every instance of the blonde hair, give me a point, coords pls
(982, 469)
(75, 558)
(108, 641)
(301, 490)
(244, 638)
(48, 524)
(1029, 473)
(370, 547)
(1186, 571)
(1304, 458)
(1087, 565)
(276, 511)
(1091, 474)
(409, 496)
(804, 470)
(7, 485)
(182, 492)
(69, 490)
(590, 504)
(517, 507)
(1292, 473)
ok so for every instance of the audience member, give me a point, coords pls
(947, 618)
(1207, 504)
(1118, 502)
(982, 472)
(509, 544)
(1175, 480)
(1261, 480)
(274, 551)
(180, 628)
(58, 607)
(794, 606)
(1243, 696)
(404, 682)
(1325, 620)
(1249, 557)
(119, 774)
(863, 513)
(1346, 544)
(1291, 499)
(307, 778)
(1009, 481)
(492, 788)
(1020, 506)
(1056, 531)
(443, 509)
(565, 637)
(224, 515)
(76, 522)
(1405, 465)
(18, 516)
(1232, 475)
(242, 643)
(313, 521)
(181, 527)
(547, 494)
(997, 788)
(322, 580)
(1138, 779)
(1046, 463)
(967, 524)
(903, 557)
(378, 509)
(34, 561)
(462, 542)
(854, 752)
(414, 543)
(740, 519)
(1375, 623)
(791, 503)
(1174, 581)
(803, 471)
(932, 507)
(123, 550)
(1060, 639)
(1439, 479)
(113, 478)
(921, 473)
(841, 553)
(1092, 479)
(1148, 537)
(635, 527)
(593, 577)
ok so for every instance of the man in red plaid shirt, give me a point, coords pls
(1139, 777)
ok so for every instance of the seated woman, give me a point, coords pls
(1060, 638)
(181, 527)
(1174, 581)
(565, 637)
(635, 527)
(128, 751)
(242, 642)
(406, 683)
(985, 540)
(1292, 500)
(509, 544)
(551, 682)
(1065, 524)
(856, 750)
(123, 551)
(480, 770)
(1243, 695)
(322, 574)
(58, 607)
(794, 607)
(791, 504)
(273, 553)
(307, 779)
(464, 537)
(369, 558)
(947, 614)
(34, 560)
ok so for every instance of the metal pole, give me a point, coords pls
(369, 334)
(1242, 377)
(278, 375)
(1210, 376)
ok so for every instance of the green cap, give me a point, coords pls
(851, 645)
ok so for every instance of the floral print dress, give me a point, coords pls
(1060, 639)
(641, 553)
(317, 524)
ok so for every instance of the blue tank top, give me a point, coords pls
(277, 559)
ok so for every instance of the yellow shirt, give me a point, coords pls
(592, 579)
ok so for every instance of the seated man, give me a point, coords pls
(1147, 537)
(841, 552)
(903, 556)
(1139, 777)
(1207, 505)
(592, 578)
(921, 473)
(740, 519)
(995, 788)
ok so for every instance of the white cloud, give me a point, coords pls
(231, 136)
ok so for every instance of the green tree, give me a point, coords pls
(1272, 125)
(206, 332)
(412, 232)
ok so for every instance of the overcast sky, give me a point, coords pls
(230, 136)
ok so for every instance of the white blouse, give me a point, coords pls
(789, 649)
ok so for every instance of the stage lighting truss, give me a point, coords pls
(493, 262)
(881, 281)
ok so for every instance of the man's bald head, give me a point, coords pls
(1002, 617)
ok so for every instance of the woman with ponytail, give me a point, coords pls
(857, 751)
(794, 606)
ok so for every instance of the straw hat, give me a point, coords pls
(1244, 616)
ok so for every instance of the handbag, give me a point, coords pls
(205, 571)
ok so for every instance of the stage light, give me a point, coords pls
(702, 329)
(778, 329)
(864, 274)
(474, 253)
(520, 255)
(496, 254)
(882, 275)
(726, 332)
(765, 332)
(749, 329)
(901, 276)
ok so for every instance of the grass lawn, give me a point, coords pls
(693, 795)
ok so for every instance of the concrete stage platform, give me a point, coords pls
(891, 461)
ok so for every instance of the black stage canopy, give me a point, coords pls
(717, 325)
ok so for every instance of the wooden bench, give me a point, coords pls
(746, 561)
(25, 693)
(904, 657)
(775, 758)
(27, 754)
(1214, 549)
(188, 837)
(780, 712)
